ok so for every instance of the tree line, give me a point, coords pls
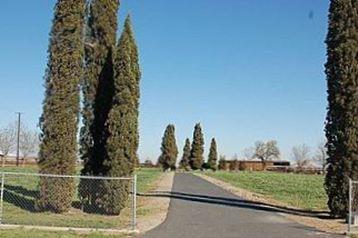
(85, 58)
(192, 158)
(193, 154)
(302, 155)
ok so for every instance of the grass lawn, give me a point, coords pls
(302, 191)
(21, 233)
(146, 178)
(20, 193)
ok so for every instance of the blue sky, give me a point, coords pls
(247, 70)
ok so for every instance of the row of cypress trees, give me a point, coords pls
(83, 54)
(193, 155)
(109, 81)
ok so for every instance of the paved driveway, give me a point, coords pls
(199, 209)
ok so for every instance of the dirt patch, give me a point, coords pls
(152, 211)
(336, 226)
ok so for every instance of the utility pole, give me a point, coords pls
(18, 138)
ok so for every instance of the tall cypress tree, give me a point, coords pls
(197, 148)
(135, 88)
(167, 159)
(122, 141)
(98, 83)
(98, 91)
(342, 115)
(59, 119)
(213, 155)
(184, 162)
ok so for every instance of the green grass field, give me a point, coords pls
(20, 193)
(302, 191)
(22, 233)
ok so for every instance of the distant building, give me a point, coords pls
(11, 159)
(148, 164)
(254, 165)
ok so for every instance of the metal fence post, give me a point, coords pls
(350, 206)
(134, 203)
(2, 195)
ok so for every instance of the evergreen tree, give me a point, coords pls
(98, 90)
(213, 156)
(122, 142)
(59, 119)
(169, 149)
(98, 83)
(342, 116)
(197, 148)
(184, 163)
(135, 89)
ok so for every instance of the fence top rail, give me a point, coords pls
(66, 176)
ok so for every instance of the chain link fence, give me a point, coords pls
(101, 203)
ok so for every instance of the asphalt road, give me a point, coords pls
(200, 209)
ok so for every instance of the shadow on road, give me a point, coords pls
(241, 203)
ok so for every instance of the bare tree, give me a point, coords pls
(266, 151)
(7, 141)
(259, 150)
(235, 157)
(301, 156)
(320, 156)
(248, 153)
(29, 141)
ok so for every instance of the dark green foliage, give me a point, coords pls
(122, 142)
(169, 149)
(342, 115)
(205, 166)
(134, 86)
(98, 90)
(197, 148)
(213, 156)
(185, 160)
(61, 106)
(98, 83)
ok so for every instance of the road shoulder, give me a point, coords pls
(153, 210)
